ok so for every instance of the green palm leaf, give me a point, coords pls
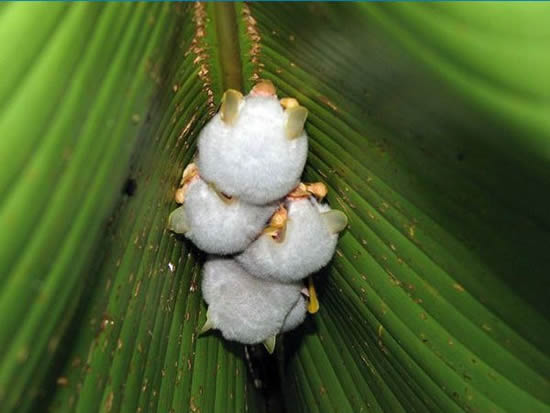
(428, 123)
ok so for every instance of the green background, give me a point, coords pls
(430, 124)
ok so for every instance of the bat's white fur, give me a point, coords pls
(218, 227)
(296, 316)
(252, 159)
(244, 308)
(308, 245)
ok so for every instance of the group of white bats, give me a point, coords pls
(243, 203)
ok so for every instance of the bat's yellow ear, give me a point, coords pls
(277, 224)
(288, 103)
(335, 220)
(177, 221)
(317, 189)
(231, 102)
(295, 121)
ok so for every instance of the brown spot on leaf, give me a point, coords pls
(62, 381)
(327, 102)
(109, 402)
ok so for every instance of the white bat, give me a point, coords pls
(255, 148)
